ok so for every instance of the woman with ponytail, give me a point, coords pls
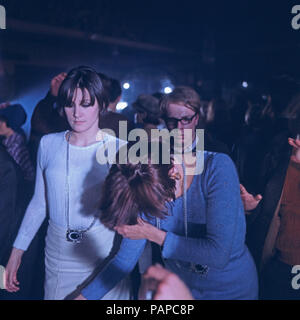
(197, 220)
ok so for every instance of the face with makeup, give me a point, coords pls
(81, 114)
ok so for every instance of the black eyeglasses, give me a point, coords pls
(173, 122)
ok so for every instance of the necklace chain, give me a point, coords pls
(197, 268)
(67, 191)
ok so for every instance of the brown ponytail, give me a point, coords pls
(131, 189)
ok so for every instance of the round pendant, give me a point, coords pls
(74, 236)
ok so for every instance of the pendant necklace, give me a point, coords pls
(202, 270)
(73, 235)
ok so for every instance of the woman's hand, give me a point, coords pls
(12, 267)
(142, 230)
(250, 202)
(56, 83)
(296, 151)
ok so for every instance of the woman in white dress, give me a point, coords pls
(68, 183)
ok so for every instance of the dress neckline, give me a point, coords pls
(80, 147)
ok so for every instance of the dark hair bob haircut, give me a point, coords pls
(131, 189)
(82, 78)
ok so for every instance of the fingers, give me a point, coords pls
(59, 78)
(123, 230)
(120, 230)
(16, 282)
(140, 220)
(157, 272)
(243, 189)
(12, 282)
(62, 75)
(294, 143)
(131, 232)
(258, 197)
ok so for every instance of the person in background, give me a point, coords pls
(45, 118)
(158, 95)
(11, 119)
(115, 93)
(251, 146)
(8, 202)
(182, 109)
(111, 118)
(147, 113)
(9, 184)
(12, 208)
(218, 121)
(274, 221)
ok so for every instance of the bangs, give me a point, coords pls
(68, 91)
(88, 81)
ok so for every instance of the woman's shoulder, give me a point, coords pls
(114, 141)
(215, 162)
(53, 138)
(215, 157)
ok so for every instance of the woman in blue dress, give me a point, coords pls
(197, 220)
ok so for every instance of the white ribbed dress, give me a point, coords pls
(68, 264)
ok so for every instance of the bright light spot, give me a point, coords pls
(126, 85)
(245, 84)
(122, 105)
(168, 90)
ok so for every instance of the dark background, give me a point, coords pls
(211, 45)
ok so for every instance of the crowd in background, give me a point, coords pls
(259, 131)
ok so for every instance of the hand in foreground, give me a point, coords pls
(250, 202)
(56, 82)
(142, 230)
(12, 267)
(170, 287)
(296, 151)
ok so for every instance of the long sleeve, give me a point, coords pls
(116, 269)
(222, 209)
(36, 210)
